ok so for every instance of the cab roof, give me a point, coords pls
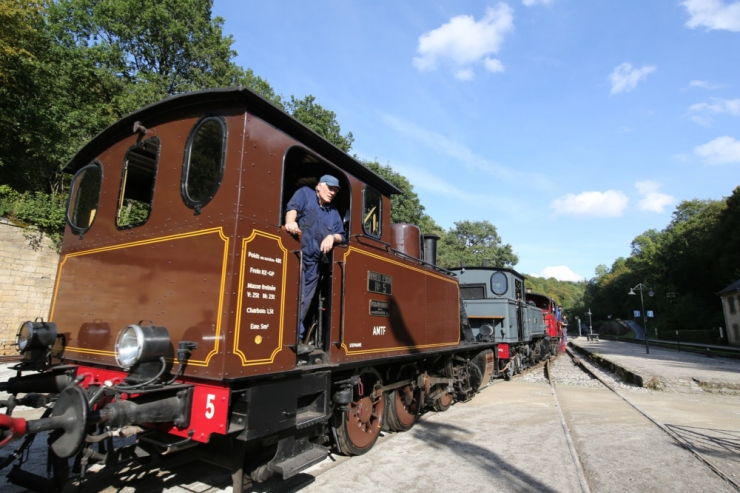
(255, 105)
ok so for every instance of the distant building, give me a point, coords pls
(730, 297)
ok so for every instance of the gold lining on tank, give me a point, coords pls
(409, 267)
(281, 311)
(217, 337)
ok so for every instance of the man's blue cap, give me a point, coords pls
(330, 180)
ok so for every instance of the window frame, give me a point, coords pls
(380, 212)
(731, 305)
(467, 289)
(196, 205)
(314, 168)
(75, 229)
(506, 287)
(121, 192)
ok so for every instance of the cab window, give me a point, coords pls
(203, 168)
(84, 195)
(371, 209)
(137, 184)
(301, 168)
(499, 283)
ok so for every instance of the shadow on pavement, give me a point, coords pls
(711, 442)
(442, 436)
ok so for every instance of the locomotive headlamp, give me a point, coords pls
(141, 344)
(35, 335)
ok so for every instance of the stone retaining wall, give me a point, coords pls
(28, 267)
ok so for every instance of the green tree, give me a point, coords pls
(567, 294)
(320, 120)
(472, 242)
(406, 206)
(248, 78)
(727, 238)
(54, 97)
(172, 46)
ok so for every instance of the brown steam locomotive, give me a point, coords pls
(175, 310)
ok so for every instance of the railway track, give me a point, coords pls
(596, 375)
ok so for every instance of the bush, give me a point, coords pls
(38, 210)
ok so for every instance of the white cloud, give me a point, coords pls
(705, 84)
(591, 204)
(560, 272)
(463, 42)
(493, 65)
(465, 74)
(721, 150)
(653, 201)
(529, 3)
(713, 14)
(625, 77)
(704, 121)
(718, 105)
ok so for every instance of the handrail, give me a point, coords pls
(299, 312)
(341, 304)
(422, 262)
(359, 235)
(389, 248)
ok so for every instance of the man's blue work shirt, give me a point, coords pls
(315, 221)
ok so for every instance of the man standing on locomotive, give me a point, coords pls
(312, 217)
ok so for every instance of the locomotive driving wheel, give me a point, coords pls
(405, 402)
(357, 428)
(443, 402)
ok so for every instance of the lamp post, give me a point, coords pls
(590, 327)
(640, 287)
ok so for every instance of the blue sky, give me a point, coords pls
(571, 125)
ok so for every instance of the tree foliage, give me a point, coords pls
(44, 211)
(406, 206)
(54, 98)
(692, 258)
(567, 294)
(173, 46)
(320, 120)
(472, 242)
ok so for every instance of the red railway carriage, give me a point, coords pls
(175, 311)
(548, 306)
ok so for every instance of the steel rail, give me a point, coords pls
(573, 453)
(585, 366)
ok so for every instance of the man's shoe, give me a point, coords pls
(304, 348)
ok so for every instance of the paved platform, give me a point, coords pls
(664, 369)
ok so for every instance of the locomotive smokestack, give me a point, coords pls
(430, 248)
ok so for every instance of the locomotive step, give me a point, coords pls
(308, 418)
(294, 456)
